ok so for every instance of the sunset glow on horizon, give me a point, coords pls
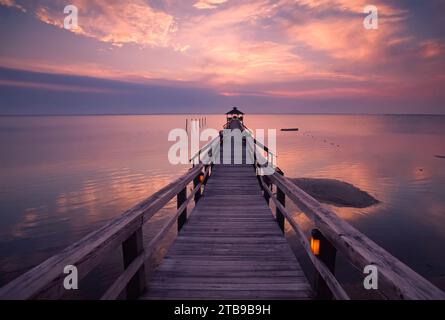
(141, 56)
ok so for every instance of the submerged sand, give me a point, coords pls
(336, 192)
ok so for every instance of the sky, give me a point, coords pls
(203, 56)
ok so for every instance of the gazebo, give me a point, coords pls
(235, 114)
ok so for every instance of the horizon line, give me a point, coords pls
(214, 113)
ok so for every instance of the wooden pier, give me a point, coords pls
(231, 245)
(230, 248)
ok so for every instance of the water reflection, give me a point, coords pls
(390, 157)
(63, 177)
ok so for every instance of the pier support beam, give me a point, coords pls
(206, 167)
(196, 182)
(281, 197)
(326, 253)
(180, 199)
(131, 249)
(268, 184)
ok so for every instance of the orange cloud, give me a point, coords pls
(231, 45)
(346, 38)
(356, 6)
(121, 22)
(11, 3)
(249, 62)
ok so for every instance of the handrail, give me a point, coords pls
(45, 281)
(265, 148)
(200, 151)
(120, 283)
(321, 267)
(396, 280)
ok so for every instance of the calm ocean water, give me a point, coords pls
(63, 177)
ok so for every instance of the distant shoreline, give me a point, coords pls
(212, 114)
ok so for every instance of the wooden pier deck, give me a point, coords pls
(231, 248)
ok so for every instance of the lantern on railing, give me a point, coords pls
(315, 242)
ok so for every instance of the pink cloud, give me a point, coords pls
(432, 49)
(208, 4)
(119, 22)
(234, 46)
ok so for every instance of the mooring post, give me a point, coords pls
(281, 197)
(180, 199)
(131, 249)
(326, 252)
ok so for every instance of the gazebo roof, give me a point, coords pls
(235, 111)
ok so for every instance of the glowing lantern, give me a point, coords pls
(315, 242)
(315, 246)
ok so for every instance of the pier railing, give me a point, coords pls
(45, 281)
(333, 234)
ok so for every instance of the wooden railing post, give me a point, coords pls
(197, 181)
(326, 252)
(131, 249)
(281, 197)
(180, 199)
(206, 167)
(268, 184)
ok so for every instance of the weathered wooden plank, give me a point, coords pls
(232, 273)
(289, 281)
(212, 270)
(46, 279)
(227, 294)
(120, 283)
(223, 217)
(231, 240)
(132, 249)
(229, 257)
(396, 280)
(330, 280)
(272, 286)
(116, 288)
(231, 247)
(252, 263)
